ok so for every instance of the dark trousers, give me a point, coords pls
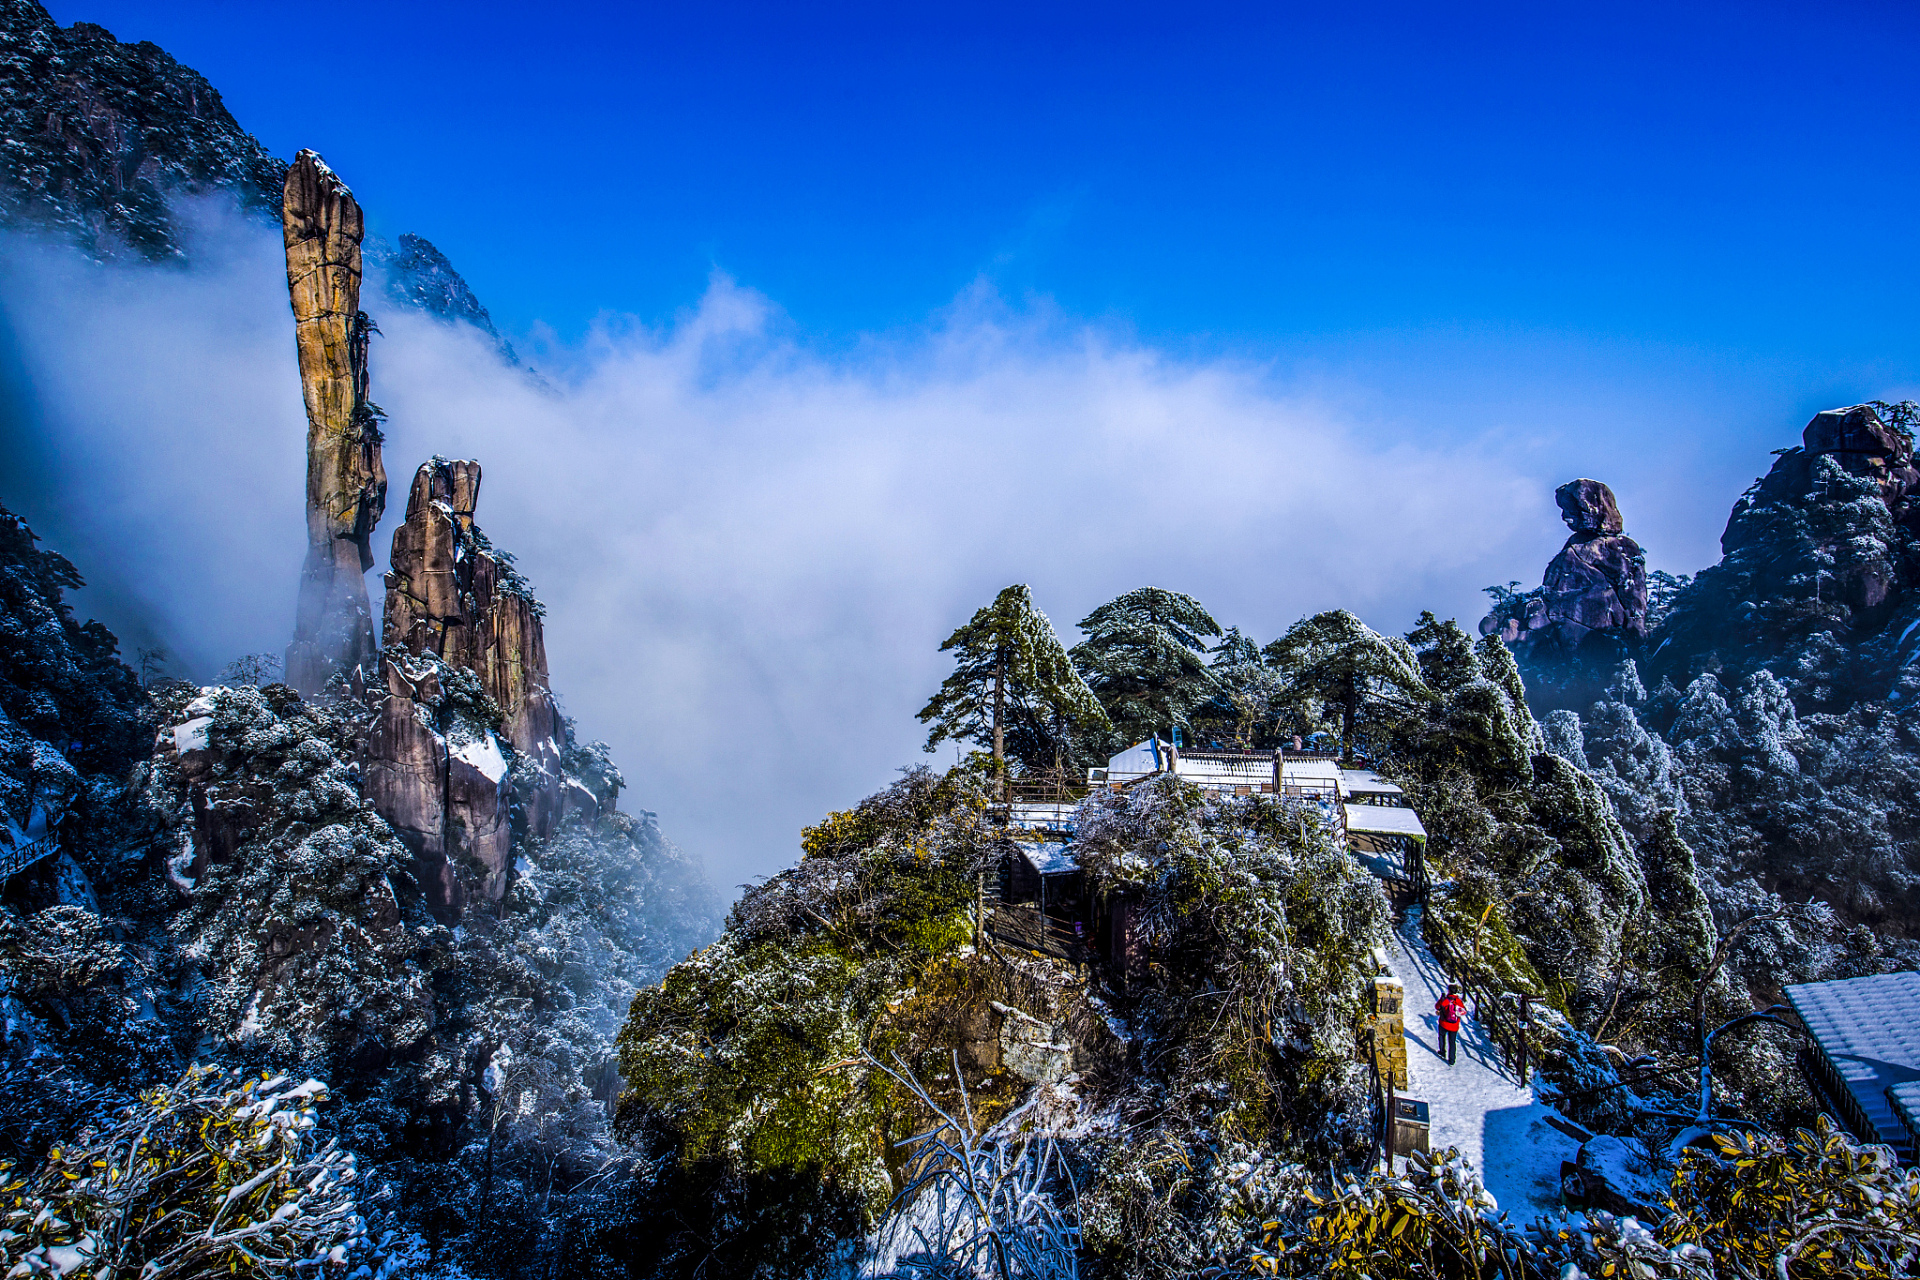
(1449, 1044)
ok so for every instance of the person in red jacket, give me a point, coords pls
(1450, 1006)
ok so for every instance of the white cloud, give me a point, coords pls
(750, 550)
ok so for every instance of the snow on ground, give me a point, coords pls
(1476, 1104)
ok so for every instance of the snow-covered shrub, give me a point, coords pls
(993, 1205)
(1254, 930)
(213, 1175)
(309, 955)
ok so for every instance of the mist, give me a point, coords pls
(750, 548)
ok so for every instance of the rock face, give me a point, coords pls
(100, 133)
(463, 642)
(436, 773)
(1867, 447)
(1861, 444)
(346, 482)
(419, 275)
(1596, 585)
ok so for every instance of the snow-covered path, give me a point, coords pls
(1476, 1105)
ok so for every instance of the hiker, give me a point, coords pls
(1450, 1006)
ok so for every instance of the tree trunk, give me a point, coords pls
(999, 706)
(1347, 712)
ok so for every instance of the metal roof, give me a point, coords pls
(1365, 782)
(1049, 858)
(1869, 1031)
(1379, 820)
(1906, 1105)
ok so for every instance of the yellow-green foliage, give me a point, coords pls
(1836, 1208)
(843, 831)
(1471, 925)
(745, 1054)
(738, 1054)
(211, 1176)
(1815, 1201)
(1433, 1221)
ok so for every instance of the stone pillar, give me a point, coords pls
(346, 484)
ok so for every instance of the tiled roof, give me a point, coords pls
(1906, 1105)
(1869, 1030)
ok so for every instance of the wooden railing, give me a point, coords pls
(1506, 1015)
(1026, 928)
(18, 858)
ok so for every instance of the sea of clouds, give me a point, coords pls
(750, 547)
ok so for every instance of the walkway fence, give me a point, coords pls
(1506, 1015)
(18, 858)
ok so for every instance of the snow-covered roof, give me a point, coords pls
(1379, 820)
(1050, 857)
(1906, 1105)
(1224, 767)
(1365, 782)
(1316, 775)
(1140, 758)
(1868, 1030)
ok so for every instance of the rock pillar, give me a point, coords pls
(1597, 585)
(458, 611)
(346, 483)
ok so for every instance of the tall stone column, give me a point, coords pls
(346, 484)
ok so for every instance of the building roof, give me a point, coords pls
(1221, 766)
(1906, 1105)
(1869, 1030)
(1374, 819)
(1049, 857)
(1365, 782)
(1317, 775)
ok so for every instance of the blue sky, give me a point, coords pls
(1735, 180)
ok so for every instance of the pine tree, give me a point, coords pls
(1009, 661)
(1339, 661)
(1145, 659)
(1244, 708)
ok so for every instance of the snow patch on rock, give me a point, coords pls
(484, 755)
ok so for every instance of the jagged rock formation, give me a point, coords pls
(457, 608)
(346, 482)
(1877, 457)
(1590, 610)
(1819, 560)
(1780, 742)
(419, 275)
(100, 133)
(1598, 582)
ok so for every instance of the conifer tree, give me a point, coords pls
(1009, 660)
(1339, 661)
(1145, 659)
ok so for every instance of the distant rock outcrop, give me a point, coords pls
(1596, 585)
(419, 275)
(466, 660)
(1862, 445)
(346, 481)
(100, 134)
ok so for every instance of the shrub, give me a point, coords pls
(210, 1176)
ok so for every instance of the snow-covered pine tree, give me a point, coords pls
(1336, 660)
(1008, 662)
(1145, 659)
(1245, 712)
